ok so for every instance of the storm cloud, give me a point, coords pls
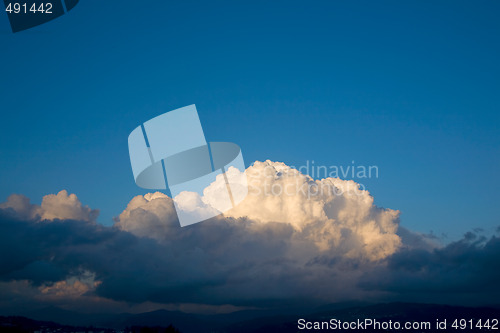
(274, 250)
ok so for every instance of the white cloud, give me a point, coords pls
(66, 207)
(151, 215)
(61, 206)
(332, 214)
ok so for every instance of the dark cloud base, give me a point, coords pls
(218, 262)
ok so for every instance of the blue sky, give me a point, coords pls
(410, 87)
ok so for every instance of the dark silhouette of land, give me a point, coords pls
(257, 321)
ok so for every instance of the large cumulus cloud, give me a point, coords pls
(334, 215)
(300, 247)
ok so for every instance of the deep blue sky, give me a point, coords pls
(410, 86)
